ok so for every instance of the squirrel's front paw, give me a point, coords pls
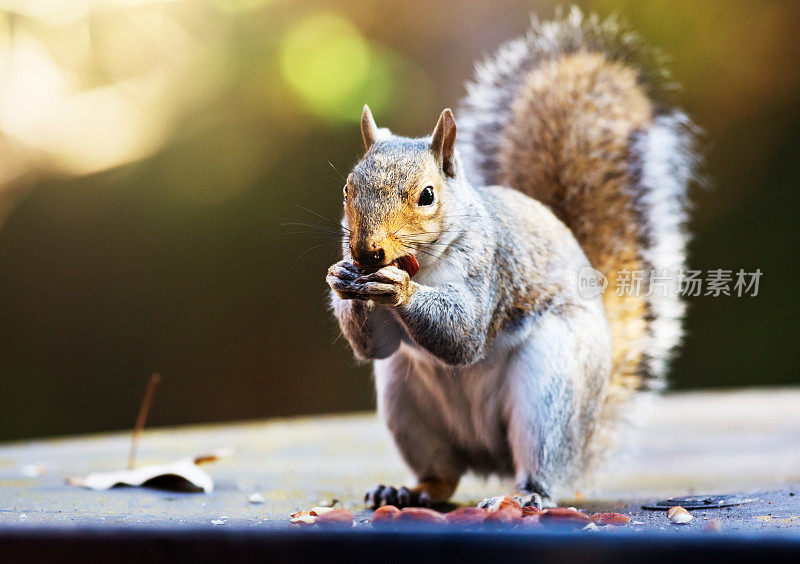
(389, 286)
(342, 280)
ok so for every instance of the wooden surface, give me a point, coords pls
(709, 442)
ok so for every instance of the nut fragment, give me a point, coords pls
(466, 516)
(409, 264)
(384, 515)
(713, 526)
(611, 518)
(504, 510)
(494, 503)
(563, 517)
(679, 515)
(309, 517)
(532, 520)
(302, 518)
(420, 515)
(256, 498)
(530, 510)
(336, 516)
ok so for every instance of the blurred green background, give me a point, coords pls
(151, 151)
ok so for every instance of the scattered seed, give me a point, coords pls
(679, 515)
(611, 518)
(256, 498)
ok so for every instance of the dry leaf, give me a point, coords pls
(181, 475)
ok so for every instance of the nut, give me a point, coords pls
(466, 516)
(532, 520)
(530, 510)
(611, 518)
(502, 509)
(494, 503)
(309, 517)
(385, 515)
(420, 515)
(679, 515)
(409, 264)
(713, 526)
(564, 517)
(337, 516)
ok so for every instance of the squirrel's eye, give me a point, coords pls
(344, 192)
(426, 197)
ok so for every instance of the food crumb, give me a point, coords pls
(256, 498)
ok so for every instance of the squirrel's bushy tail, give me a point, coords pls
(575, 115)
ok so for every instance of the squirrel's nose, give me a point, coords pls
(368, 254)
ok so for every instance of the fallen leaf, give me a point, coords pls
(181, 475)
(214, 455)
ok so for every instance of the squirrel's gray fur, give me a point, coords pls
(490, 359)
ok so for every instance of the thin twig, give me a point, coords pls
(144, 409)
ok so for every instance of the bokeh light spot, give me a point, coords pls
(326, 61)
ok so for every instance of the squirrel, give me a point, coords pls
(492, 358)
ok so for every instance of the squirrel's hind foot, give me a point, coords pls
(426, 493)
(537, 500)
(404, 497)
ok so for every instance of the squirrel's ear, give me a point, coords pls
(444, 141)
(369, 131)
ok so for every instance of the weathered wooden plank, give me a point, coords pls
(717, 442)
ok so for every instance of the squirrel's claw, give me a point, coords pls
(404, 497)
(387, 275)
(341, 278)
(389, 286)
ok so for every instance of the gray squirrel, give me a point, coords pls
(569, 160)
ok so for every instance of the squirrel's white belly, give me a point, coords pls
(466, 404)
